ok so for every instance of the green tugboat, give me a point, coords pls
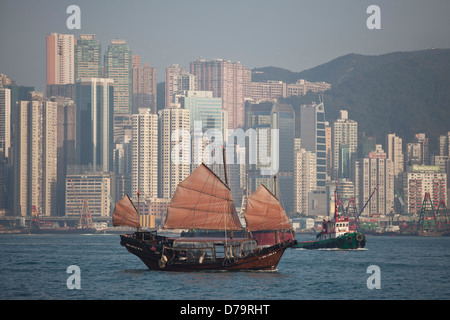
(335, 234)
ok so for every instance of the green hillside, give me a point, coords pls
(401, 92)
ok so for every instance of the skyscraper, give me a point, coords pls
(5, 121)
(174, 149)
(226, 80)
(118, 67)
(313, 137)
(283, 120)
(345, 144)
(258, 124)
(35, 164)
(60, 59)
(144, 85)
(145, 154)
(271, 132)
(88, 57)
(394, 153)
(94, 101)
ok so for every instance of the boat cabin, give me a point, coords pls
(334, 228)
(204, 250)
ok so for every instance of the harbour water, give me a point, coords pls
(34, 267)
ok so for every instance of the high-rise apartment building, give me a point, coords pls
(444, 144)
(88, 57)
(313, 137)
(144, 85)
(177, 81)
(35, 159)
(145, 154)
(226, 80)
(375, 171)
(118, 67)
(60, 59)
(5, 121)
(417, 151)
(174, 149)
(394, 152)
(344, 144)
(304, 178)
(94, 101)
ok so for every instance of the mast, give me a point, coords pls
(335, 205)
(138, 208)
(275, 185)
(224, 165)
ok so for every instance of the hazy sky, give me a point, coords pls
(292, 34)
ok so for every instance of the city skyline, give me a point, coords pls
(257, 34)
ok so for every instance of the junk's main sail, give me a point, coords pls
(202, 201)
(125, 214)
(264, 212)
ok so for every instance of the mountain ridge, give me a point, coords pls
(404, 92)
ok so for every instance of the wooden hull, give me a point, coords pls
(151, 254)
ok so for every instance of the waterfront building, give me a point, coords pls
(35, 156)
(91, 184)
(420, 179)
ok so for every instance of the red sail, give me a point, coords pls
(264, 212)
(202, 201)
(125, 214)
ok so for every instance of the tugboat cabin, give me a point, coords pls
(334, 228)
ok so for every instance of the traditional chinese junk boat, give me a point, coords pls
(202, 202)
(335, 234)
